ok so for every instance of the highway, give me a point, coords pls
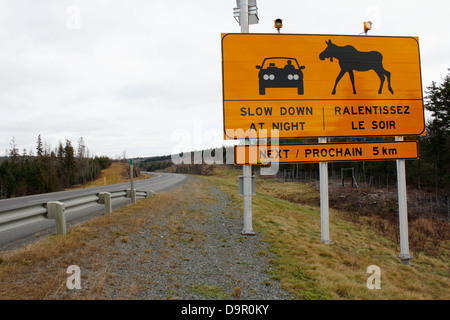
(160, 182)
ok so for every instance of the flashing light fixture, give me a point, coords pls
(278, 24)
(367, 26)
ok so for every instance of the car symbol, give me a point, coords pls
(280, 72)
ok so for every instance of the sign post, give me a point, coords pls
(324, 203)
(404, 255)
(246, 169)
(132, 191)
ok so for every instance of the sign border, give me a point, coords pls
(226, 137)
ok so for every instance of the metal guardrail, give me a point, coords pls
(79, 203)
(28, 214)
(17, 217)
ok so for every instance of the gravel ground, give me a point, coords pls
(207, 258)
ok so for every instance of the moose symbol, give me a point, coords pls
(351, 59)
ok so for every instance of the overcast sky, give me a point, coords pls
(144, 76)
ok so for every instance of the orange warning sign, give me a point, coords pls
(325, 152)
(296, 86)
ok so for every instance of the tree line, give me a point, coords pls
(156, 163)
(47, 170)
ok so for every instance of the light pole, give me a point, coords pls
(246, 11)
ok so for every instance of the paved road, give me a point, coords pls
(158, 183)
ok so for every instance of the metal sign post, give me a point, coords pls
(132, 191)
(247, 169)
(243, 16)
(324, 203)
(247, 172)
(402, 210)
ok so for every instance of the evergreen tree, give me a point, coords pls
(437, 142)
(69, 162)
(60, 167)
(438, 102)
(8, 179)
(14, 151)
(81, 148)
(39, 148)
(49, 166)
(82, 162)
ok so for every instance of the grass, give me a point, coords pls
(310, 269)
(209, 292)
(306, 267)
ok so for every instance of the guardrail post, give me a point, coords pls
(105, 198)
(56, 210)
(132, 195)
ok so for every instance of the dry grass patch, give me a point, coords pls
(115, 173)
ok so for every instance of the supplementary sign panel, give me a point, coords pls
(296, 86)
(325, 152)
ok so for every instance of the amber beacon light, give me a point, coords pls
(367, 26)
(278, 24)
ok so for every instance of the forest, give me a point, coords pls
(47, 170)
